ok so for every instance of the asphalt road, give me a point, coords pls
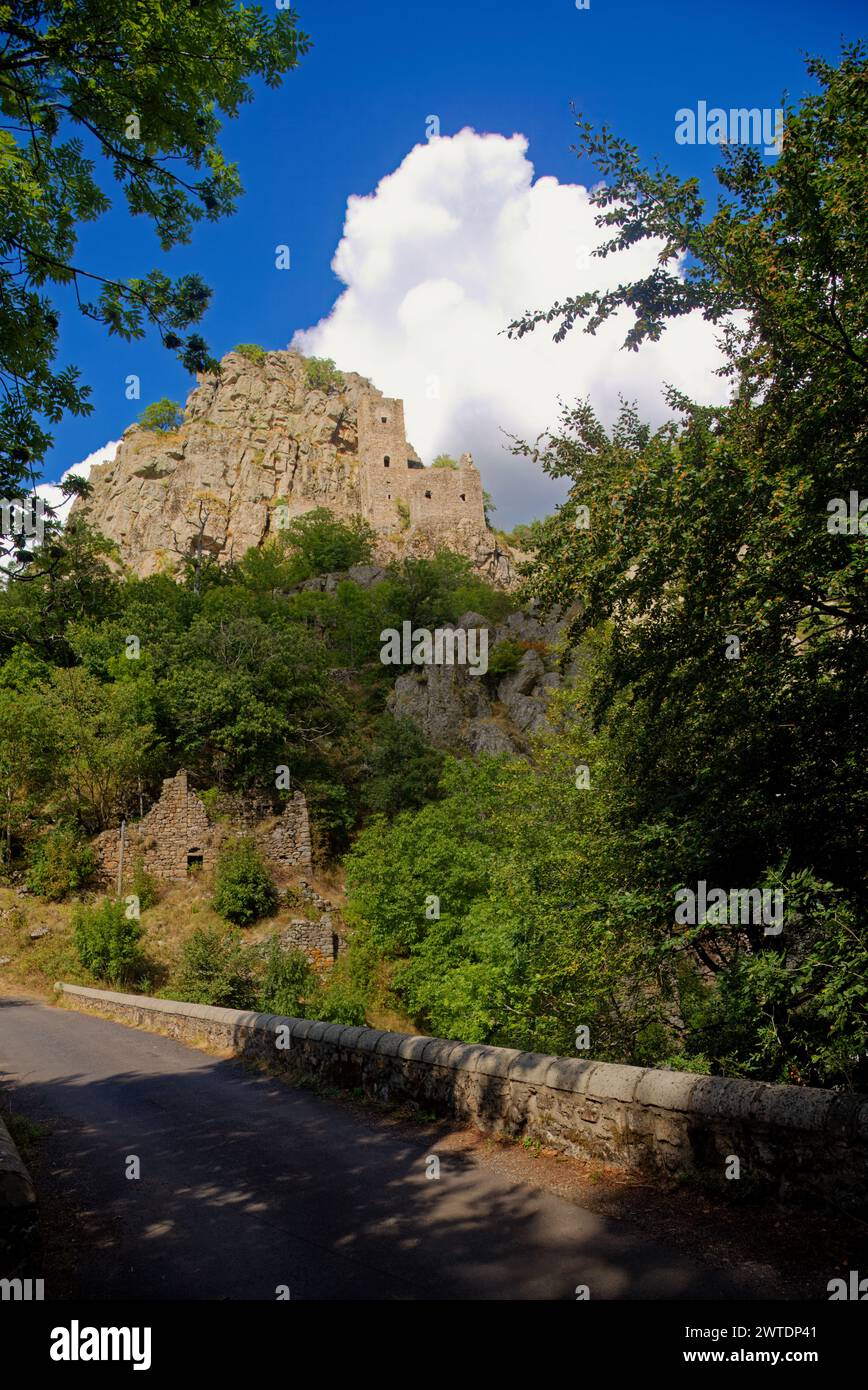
(247, 1185)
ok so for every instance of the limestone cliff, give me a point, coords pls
(258, 445)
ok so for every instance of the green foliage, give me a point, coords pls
(713, 528)
(107, 942)
(60, 863)
(332, 814)
(322, 375)
(243, 888)
(526, 535)
(289, 982)
(340, 997)
(432, 592)
(444, 461)
(326, 544)
(144, 886)
(404, 768)
(504, 657)
(147, 88)
(403, 510)
(163, 415)
(214, 969)
(252, 351)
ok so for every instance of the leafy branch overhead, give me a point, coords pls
(101, 88)
(786, 243)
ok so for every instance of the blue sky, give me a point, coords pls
(358, 105)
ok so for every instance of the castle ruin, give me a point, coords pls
(258, 447)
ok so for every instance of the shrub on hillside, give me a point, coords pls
(107, 942)
(505, 657)
(144, 886)
(214, 969)
(243, 887)
(325, 544)
(252, 351)
(60, 862)
(163, 415)
(405, 769)
(323, 375)
(289, 982)
(340, 999)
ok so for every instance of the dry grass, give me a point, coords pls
(182, 907)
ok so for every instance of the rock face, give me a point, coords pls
(258, 447)
(484, 714)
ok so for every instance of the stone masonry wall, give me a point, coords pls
(288, 842)
(434, 496)
(177, 830)
(799, 1144)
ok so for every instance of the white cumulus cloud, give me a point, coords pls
(445, 252)
(53, 492)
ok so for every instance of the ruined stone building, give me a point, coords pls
(177, 837)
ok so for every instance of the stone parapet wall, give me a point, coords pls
(797, 1144)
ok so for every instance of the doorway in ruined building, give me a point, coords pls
(195, 861)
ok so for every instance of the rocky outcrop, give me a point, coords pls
(486, 714)
(259, 446)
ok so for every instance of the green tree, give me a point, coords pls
(289, 982)
(322, 375)
(243, 888)
(405, 769)
(144, 84)
(444, 461)
(730, 616)
(325, 544)
(162, 415)
(214, 968)
(60, 862)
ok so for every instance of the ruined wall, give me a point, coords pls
(288, 842)
(437, 498)
(318, 940)
(177, 830)
(445, 497)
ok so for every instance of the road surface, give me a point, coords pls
(247, 1186)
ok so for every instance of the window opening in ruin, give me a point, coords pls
(386, 461)
(463, 497)
(384, 419)
(195, 861)
(427, 494)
